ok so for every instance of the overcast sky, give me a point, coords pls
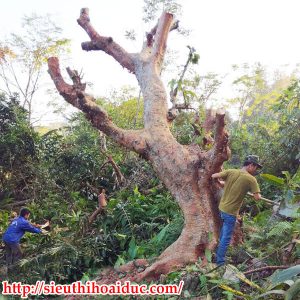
(223, 32)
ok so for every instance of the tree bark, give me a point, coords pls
(185, 170)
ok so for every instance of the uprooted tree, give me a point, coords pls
(185, 170)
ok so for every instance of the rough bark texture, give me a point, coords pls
(185, 170)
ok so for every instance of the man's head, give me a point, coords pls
(252, 164)
(25, 212)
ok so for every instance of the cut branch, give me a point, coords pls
(102, 204)
(208, 126)
(75, 95)
(220, 151)
(150, 35)
(105, 44)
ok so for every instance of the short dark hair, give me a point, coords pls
(24, 211)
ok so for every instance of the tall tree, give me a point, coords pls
(184, 169)
(23, 57)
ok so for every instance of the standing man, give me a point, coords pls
(237, 184)
(14, 233)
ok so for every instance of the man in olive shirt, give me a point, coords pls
(237, 184)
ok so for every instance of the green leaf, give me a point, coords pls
(161, 234)
(186, 294)
(112, 203)
(120, 261)
(132, 249)
(279, 229)
(294, 290)
(287, 175)
(277, 292)
(120, 236)
(289, 196)
(281, 276)
(208, 255)
(173, 275)
(273, 179)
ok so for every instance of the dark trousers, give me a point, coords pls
(13, 254)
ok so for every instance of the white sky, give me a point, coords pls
(223, 32)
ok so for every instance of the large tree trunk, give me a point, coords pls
(185, 170)
(181, 170)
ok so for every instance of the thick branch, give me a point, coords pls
(75, 95)
(105, 44)
(150, 35)
(163, 28)
(220, 151)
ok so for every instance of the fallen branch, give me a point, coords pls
(266, 268)
(282, 247)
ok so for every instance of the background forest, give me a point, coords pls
(59, 173)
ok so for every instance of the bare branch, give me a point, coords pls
(75, 95)
(12, 70)
(105, 44)
(174, 111)
(120, 176)
(267, 268)
(5, 79)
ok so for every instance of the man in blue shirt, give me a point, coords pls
(14, 233)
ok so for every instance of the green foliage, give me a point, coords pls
(62, 171)
(18, 153)
(273, 179)
(279, 229)
(144, 225)
(280, 276)
(152, 8)
(126, 112)
(289, 185)
(270, 130)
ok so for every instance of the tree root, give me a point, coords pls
(140, 269)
